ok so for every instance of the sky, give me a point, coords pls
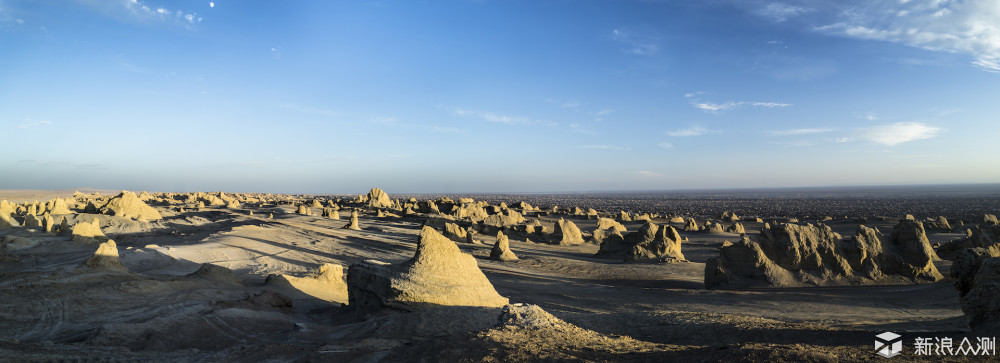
(497, 95)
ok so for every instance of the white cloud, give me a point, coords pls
(665, 145)
(708, 106)
(970, 27)
(801, 131)
(142, 11)
(636, 44)
(779, 12)
(648, 173)
(446, 130)
(497, 118)
(605, 147)
(900, 132)
(604, 112)
(690, 131)
(211, 4)
(582, 129)
(33, 124)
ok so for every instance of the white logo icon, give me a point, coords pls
(888, 344)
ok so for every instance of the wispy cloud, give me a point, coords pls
(582, 129)
(33, 124)
(801, 131)
(665, 145)
(446, 130)
(637, 44)
(498, 118)
(647, 173)
(140, 10)
(900, 132)
(605, 147)
(314, 111)
(971, 27)
(708, 106)
(690, 131)
(779, 12)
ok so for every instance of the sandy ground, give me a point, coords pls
(53, 308)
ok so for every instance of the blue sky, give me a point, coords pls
(497, 96)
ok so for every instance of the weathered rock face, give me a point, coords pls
(57, 206)
(501, 250)
(504, 219)
(106, 257)
(471, 211)
(691, 225)
(88, 232)
(608, 223)
(567, 233)
(327, 283)
(976, 274)
(728, 216)
(455, 231)
(127, 204)
(31, 221)
(982, 235)
(713, 228)
(736, 228)
(650, 244)
(216, 273)
(377, 198)
(354, 222)
(664, 246)
(990, 220)
(303, 210)
(438, 274)
(677, 219)
(789, 254)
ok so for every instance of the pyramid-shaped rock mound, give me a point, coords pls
(127, 205)
(790, 254)
(501, 250)
(106, 257)
(438, 274)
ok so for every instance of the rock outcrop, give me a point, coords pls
(127, 204)
(976, 274)
(790, 254)
(983, 235)
(88, 232)
(57, 206)
(650, 244)
(567, 233)
(216, 273)
(326, 283)
(377, 198)
(106, 257)
(353, 224)
(501, 250)
(438, 274)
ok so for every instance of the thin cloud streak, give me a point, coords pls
(688, 132)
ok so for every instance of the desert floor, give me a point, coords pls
(52, 308)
